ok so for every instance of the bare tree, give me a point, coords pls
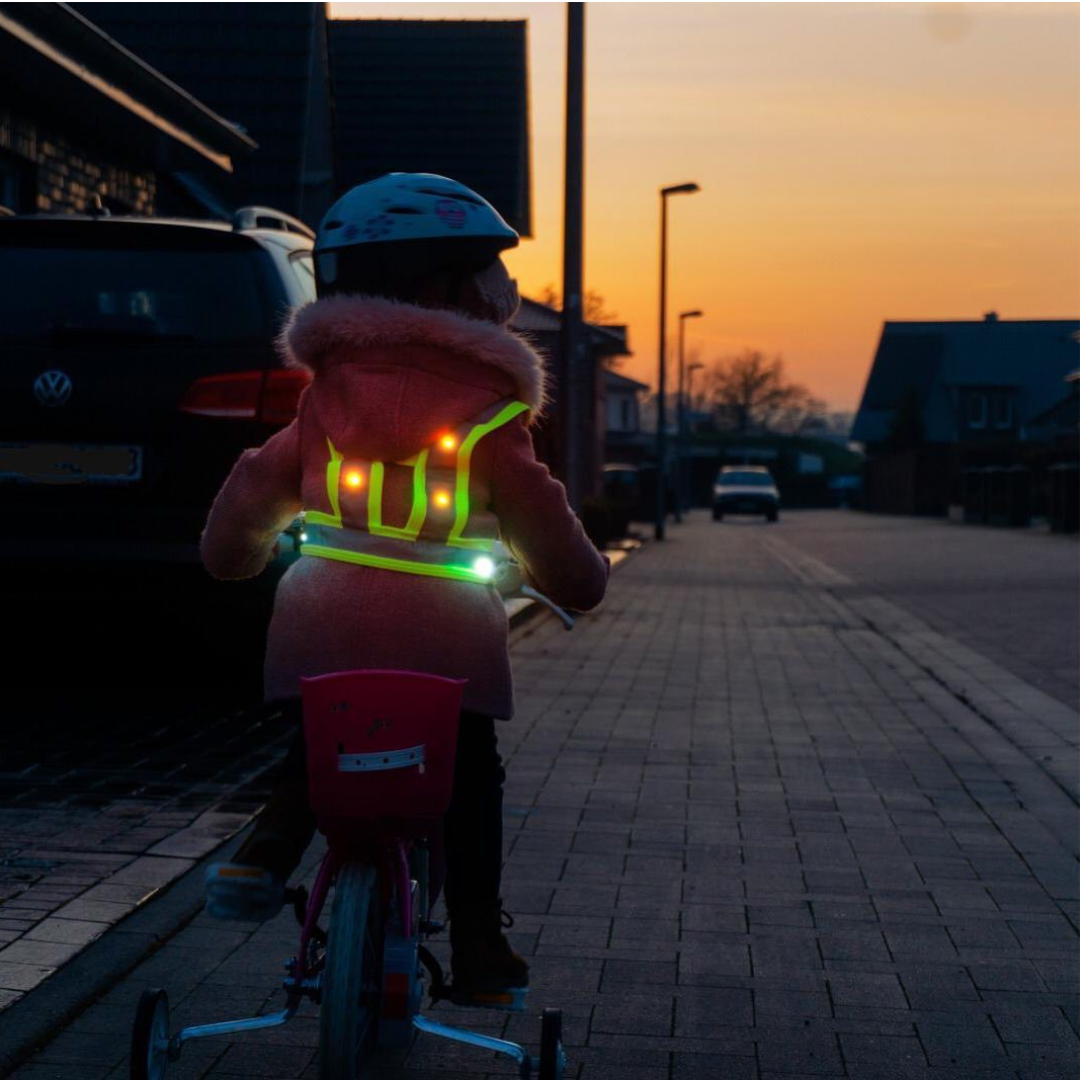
(595, 310)
(750, 393)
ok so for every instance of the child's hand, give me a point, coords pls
(508, 578)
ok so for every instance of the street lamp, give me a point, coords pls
(690, 369)
(661, 412)
(680, 423)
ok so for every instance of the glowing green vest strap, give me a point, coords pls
(422, 557)
(417, 514)
(333, 489)
(461, 491)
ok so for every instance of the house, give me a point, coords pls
(84, 123)
(435, 95)
(333, 103)
(622, 407)
(265, 68)
(943, 397)
(542, 325)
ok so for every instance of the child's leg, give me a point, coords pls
(252, 885)
(472, 827)
(482, 957)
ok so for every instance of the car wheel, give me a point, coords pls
(772, 516)
(717, 514)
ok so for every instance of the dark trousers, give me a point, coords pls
(472, 827)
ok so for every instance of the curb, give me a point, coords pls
(33, 1021)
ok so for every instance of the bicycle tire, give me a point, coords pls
(552, 1061)
(420, 872)
(350, 985)
(148, 1060)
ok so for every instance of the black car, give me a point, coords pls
(745, 489)
(136, 363)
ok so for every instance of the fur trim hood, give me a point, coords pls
(355, 329)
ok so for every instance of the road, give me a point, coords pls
(1011, 594)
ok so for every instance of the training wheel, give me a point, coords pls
(150, 1037)
(552, 1058)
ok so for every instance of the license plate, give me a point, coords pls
(63, 463)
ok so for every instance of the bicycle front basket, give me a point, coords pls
(380, 743)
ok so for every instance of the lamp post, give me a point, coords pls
(661, 412)
(690, 369)
(680, 418)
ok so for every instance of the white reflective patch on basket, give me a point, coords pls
(390, 759)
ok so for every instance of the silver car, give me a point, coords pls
(745, 489)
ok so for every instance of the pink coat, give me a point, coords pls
(388, 379)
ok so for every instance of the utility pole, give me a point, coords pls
(661, 378)
(575, 374)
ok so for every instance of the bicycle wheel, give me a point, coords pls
(552, 1060)
(350, 984)
(149, 1058)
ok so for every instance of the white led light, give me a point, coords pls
(303, 538)
(484, 567)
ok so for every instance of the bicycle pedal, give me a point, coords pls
(512, 1000)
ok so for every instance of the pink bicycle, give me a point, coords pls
(381, 748)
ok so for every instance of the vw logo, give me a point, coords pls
(53, 388)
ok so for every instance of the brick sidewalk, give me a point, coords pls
(748, 837)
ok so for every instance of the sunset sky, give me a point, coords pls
(858, 162)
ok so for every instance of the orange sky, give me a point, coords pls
(858, 162)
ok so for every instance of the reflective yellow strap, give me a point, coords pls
(403, 566)
(333, 483)
(417, 514)
(461, 492)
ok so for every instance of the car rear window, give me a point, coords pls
(750, 479)
(137, 295)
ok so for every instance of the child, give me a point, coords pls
(410, 455)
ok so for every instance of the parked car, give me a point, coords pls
(136, 363)
(745, 489)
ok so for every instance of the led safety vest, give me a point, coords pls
(457, 544)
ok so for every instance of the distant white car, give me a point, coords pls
(745, 489)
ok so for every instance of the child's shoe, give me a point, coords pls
(482, 960)
(236, 891)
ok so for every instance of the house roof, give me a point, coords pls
(439, 96)
(931, 359)
(251, 63)
(53, 59)
(536, 318)
(614, 381)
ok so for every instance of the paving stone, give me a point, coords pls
(799, 1051)
(973, 1043)
(866, 988)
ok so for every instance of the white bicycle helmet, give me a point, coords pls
(402, 207)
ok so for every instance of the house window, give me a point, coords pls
(1003, 412)
(15, 186)
(976, 411)
(625, 426)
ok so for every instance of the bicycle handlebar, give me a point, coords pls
(566, 619)
(510, 581)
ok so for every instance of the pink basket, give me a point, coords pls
(380, 744)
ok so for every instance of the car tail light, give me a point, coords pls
(281, 395)
(268, 396)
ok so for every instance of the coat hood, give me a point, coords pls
(391, 376)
